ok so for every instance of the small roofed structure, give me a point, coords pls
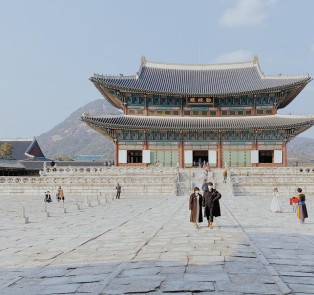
(23, 150)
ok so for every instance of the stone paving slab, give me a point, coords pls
(148, 246)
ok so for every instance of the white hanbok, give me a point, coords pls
(276, 205)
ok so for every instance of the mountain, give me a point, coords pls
(73, 137)
(300, 149)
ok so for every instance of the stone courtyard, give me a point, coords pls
(139, 245)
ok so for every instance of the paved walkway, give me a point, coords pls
(148, 246)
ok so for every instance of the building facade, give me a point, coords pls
(180, 115)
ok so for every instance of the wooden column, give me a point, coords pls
(181, 155)
(219, 156)
(145, 107)
(116, 153)
(125, 109)
(284, 154)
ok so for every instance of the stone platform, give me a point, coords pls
(142, 245)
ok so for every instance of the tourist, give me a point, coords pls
(225, 174)
(60, 195)
(195, 205)
(199, 163)
(118, 188)
(47, 197)
(211, 204)
(276, 205)
(205, 186)
(302, 211)
(294, 203)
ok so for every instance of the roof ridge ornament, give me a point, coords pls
(255, 60)
(143, 59)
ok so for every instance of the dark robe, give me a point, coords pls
(211, 199)
(193, 208)
(302, 211)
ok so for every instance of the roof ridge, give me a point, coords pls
(16, 139)
(152, 64)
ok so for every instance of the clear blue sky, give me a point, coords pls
(49, 49)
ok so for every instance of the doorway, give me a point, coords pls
(134, 156)
(265, 156)
(199, 157)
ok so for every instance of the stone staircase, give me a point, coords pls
(192, 177)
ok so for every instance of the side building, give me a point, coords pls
(180, 115)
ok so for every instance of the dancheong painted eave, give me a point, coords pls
(298, 122)
(204, 79)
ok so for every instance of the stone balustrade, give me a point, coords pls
(93, 181)
(106, 170)
(261, 181)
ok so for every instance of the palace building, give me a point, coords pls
(178, 115)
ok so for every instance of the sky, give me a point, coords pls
(50, 49)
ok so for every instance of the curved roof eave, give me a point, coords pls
(137, 90)
(213, 124)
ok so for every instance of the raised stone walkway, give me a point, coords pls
(148, 246)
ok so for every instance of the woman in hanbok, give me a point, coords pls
(276, 205)
(195, 205)
(301, 211)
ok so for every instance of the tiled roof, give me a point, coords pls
(19, 147)
(197, 123)
(221, 79)
(23, 148)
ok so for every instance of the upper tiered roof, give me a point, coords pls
(200, 80)
(299, 122)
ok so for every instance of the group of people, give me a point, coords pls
(59, 196)
(209, 201)
(299, 201)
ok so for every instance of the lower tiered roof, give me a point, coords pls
(299, 122)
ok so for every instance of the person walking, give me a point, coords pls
(301, 211)
(60, 195)
(276, 205)
(225, 174)
(195, 206)
(211, 204)
(118, 188)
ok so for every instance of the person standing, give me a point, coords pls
(47, 197)
(225, 174)
(60, 195)
(205, 185)
(118, 188)
(211, 204)
(195, 206)
(276, 205)
(301, 211)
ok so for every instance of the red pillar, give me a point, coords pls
(181, 155)
(284, 155)
(116, 153)
(219, 156)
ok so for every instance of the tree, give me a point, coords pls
(62, 158)
(6, 151)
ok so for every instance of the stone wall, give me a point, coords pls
(261, 181)
(94, 181)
